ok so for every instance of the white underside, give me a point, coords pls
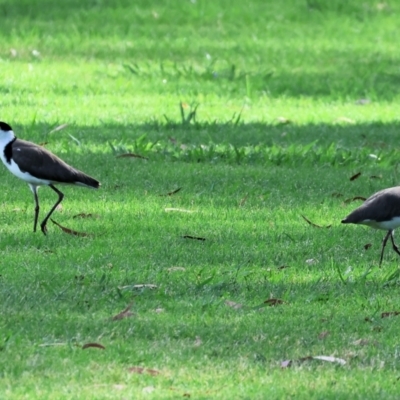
(26, 176)
(384, 225)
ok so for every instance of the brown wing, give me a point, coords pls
(43, 164)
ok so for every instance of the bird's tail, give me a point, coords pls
(86, 180)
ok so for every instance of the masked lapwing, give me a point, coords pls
(37, 167)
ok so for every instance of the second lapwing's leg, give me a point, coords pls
(384, 244)
(35, 195)
(395, 248)
(60, 197)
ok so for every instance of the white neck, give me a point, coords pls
(5, 138)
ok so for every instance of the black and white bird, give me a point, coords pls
(380, 211)
(38, 166)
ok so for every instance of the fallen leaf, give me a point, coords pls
(84, 215)
(136, 370)
(283, 267)
(361, 342)
(390, 314)
(330, 359)
(178, 209)
(381, 6)
(138, 286)
(367, 246)
(171, 193)
(362, 102)
(148, 389)
(273, 302)
(58, 128)
(70, 231)
(126, 313)
(53, 344)
(323, 334)
(311, 261)
(234, 305)
(365, 342)
(193, 237)
(94, 345)
(355, 176)
(145, 285)
(141, 370)
(243, 201)
(355, 199)
(312, 223)
(286, 363)
(344, 120)
(283, 120)
(131, 155)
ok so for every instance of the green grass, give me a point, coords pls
(293, 98)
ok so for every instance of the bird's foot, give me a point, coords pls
(43, 227)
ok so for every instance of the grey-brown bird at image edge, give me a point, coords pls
(380, 211)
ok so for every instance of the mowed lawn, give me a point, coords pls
(211, 263)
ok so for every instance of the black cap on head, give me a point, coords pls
(5, 127)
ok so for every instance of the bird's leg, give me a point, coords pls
(384, 244)
(35, 195)
(60, 197)
(395, 248)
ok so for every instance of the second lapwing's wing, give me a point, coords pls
(380, 211)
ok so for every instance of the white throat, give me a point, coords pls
(5, 138)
